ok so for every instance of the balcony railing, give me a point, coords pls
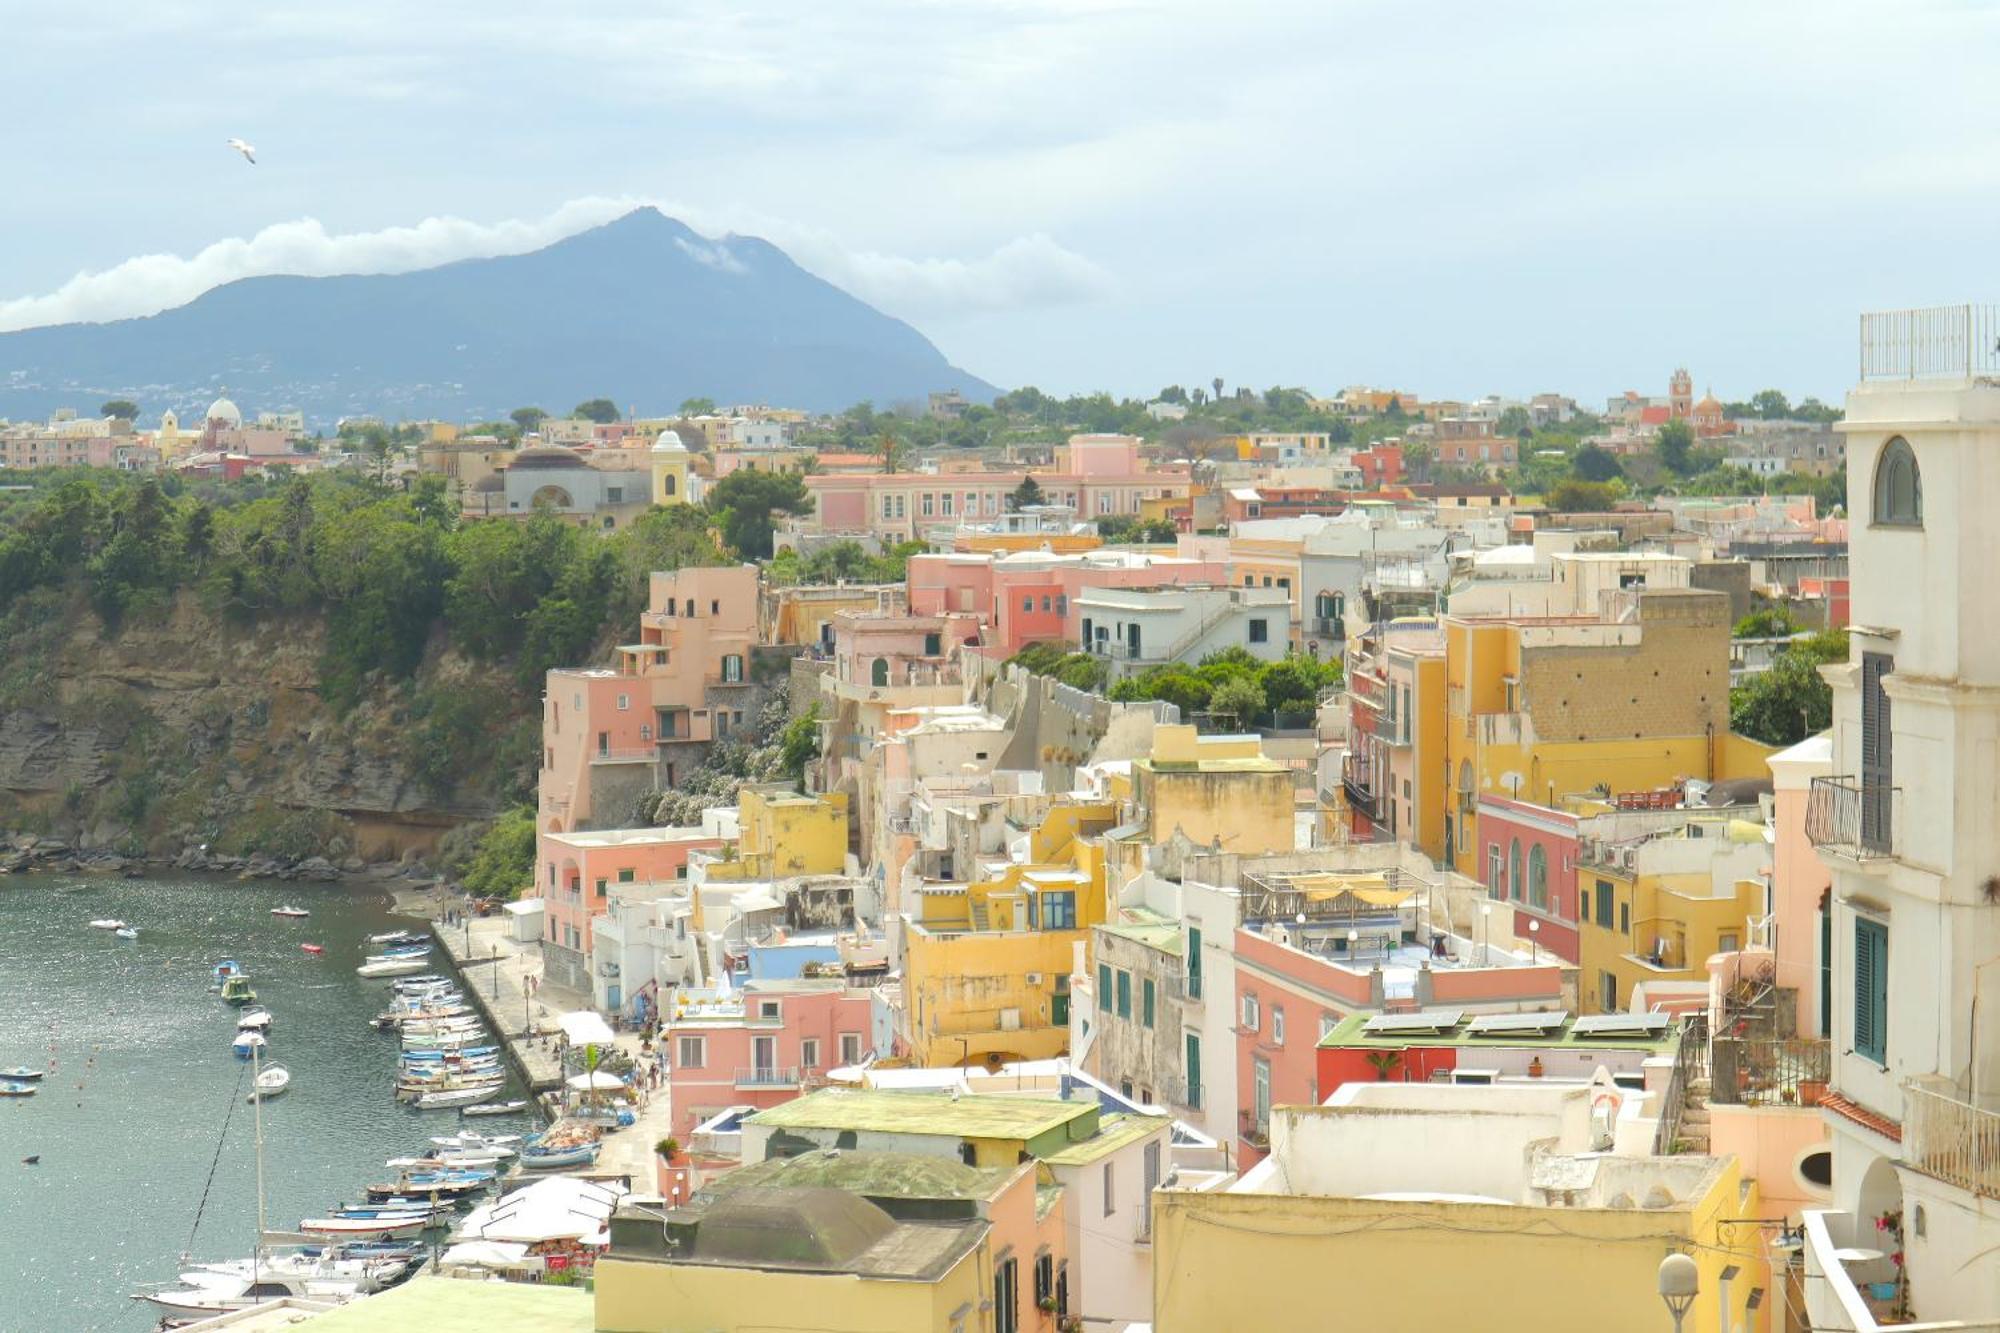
(644, 754)
(1853, 819)
(1360, 799)
(1749, 1071)
(1951, 1140)
(768, 1076)
(1939, 342)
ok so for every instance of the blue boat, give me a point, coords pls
(246, 1043)
(549, 1159)
(223, 970)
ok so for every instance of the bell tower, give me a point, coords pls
(1680, 394)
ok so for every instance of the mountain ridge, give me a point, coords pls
(641, 309)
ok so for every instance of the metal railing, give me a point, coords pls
(1853, 819)
(1938, 342)
(1185, 987)
(1951, 1140)
(767, 1076)
(1690, 1065)
(1753, 1071)
(624, 755)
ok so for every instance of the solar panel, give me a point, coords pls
(1438, 1020)
(1490, 1025)
(1621, 1025)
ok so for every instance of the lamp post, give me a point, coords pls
(1353, 940)
(1534, 944)
(1680, 1283)
(1486, 934)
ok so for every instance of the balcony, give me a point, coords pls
(768, 1076)
(1360, 799)
(642, 754)
(1747, 1071)
(1185, 987)
(1950, 1140)
(1255, 1132)
(1853, 820)
(1940, 342)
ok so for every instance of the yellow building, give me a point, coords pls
(986, 965)
(782, 834)
(1461, 1207)
(1006, 543)
(669, 462)
(1214, 790)
(1657, 906)
(1540, 708)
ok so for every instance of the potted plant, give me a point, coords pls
(668, 1148)
(1384, 1063)
(1047, 1305)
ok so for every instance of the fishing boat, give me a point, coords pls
(107, 923)
(258, 1019)
(289, 910)
(446, 1163)
(236, 990)
(247, 1043)
(496, 1108)
(127, 932)
(220, 1293)
(461, 1097)
(15, 1087)
(22, 1074)
(223, 970)
(389, 1224)
(270, 1083)
(398, 937)
(314, 949)
(425, 984)
(389, 967)
(550, 1159)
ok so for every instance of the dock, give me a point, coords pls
(493, 972)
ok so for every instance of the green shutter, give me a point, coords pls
(1194, 1070)
(1124, 994)
(1103, 987)
(1871, 990)
(1146, 1012)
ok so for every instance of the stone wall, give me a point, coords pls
(1673, 682)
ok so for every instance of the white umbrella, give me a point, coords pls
(596, 1079)
(485, 1254)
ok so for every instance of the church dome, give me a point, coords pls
(545, 458)
(224, 411)
(669, 443)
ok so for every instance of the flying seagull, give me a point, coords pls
(249, 153)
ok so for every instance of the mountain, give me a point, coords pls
(641, 310)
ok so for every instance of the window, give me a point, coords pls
(888, 510)
(1260, 1094)
(715, 607)
(1871, 990)
(732, 668)
(809, 1053)
(1538, 878)
(1604, 903)
(1150, 1182)
(1027, 603)
(1514, 870)
(614, 495)
(1607, 992)
(1059, 911)
(1899, 489)
(1277, 1025)
(1250, 1015)
(1146, 997)
(1193, 1070)
(927, 503)
(1046, 603)
(1267, 580)
(878, 674)
(600, 888)
(624, 702)
(625, 875)
(1624, 918)
(1045, 1278)
(1260, 631)
(1104, 987)
(1110, 1189)
(850, 1048)
(1194, 963)
(1496, 886)
(1007, 1297)
(1124, 993)
(692, 1052)
(645, 731)
(1878, 767)
(899, 506)
(1062, 604)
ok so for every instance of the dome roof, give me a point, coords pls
(545, 458)
(669, 443)
(1710, 401)
(224, 411)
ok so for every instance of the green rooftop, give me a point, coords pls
(876, 1175)
(453, 1305)
(1114, 1133)
(1350, 1033)
(895, 1111)
(1165, 936)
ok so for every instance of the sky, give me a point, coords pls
(1448, 198)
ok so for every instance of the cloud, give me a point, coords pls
(1026, 272)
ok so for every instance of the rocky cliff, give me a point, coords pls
(183, 731)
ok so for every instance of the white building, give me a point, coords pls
(1906, 825)
(1136, 628)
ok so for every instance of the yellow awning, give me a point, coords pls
(1371, 889)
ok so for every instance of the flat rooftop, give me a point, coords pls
(451, 1305)
(1654, 1033)
(922, 1112)
(632, 837)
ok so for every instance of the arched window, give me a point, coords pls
(669, 482)
(879, 673)
(1899, 490)
(1514, 870)
(1538, 879)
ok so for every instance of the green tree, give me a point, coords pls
(1789, 701)
(1029, 492)
(1514, 421)
(1237, 701)
(601, 410)
(798, 744)
(1770, 404)
(1768, 622)
(1591, 463)
(697, 407)
(1584, 497)
(528, 420)
(124, 409)
(742, 504)
(1674, 446)
(503, 863)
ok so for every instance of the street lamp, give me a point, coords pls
(1353, 939)
(1680, 1283)
(1534, 946)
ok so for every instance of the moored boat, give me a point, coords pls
(550, 1159)
(441, 1101)
(22, 1074)
(496, 1108)
(127, 932)
(246, 1043)
(314, 949)
(398, 937)
(271, 1081)
(290, 911)
(107, 923)
(393, 1224)
(236, 990)
(14, 1087)
(390, 967)
(257, 1019)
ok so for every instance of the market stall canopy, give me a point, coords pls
(559, 1208)
(585, 1029)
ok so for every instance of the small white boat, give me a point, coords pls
(497, 1108)
(246, 1042)
(397, 937)
(472, 1140)
(255, 1020)
(289, 910)
(107, 923)
(270, 1083)
(127, 932)
(390, 967)
(387, 1224)
(437, 1101)
(23, 1074)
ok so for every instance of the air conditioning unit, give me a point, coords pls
(1034, 978)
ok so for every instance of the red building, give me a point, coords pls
(1380, 466)
(1529, 862)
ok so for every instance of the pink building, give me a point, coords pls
(875, 649)
(1801, 883)
(1544, 841)
(1029, 596)
(574, 875)
(1096, 475)
(760, 1046)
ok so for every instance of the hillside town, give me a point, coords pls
(1031, 879)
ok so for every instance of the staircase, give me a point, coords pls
(1694, 1116)
(979, 918)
